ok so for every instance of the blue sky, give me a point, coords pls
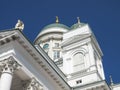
(103, 16)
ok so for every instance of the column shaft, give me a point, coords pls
(6, 80)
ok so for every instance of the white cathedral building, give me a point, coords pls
(61, 58)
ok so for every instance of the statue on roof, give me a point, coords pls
(19, 25)
(111, 80)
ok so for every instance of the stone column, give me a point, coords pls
(8, 66)
(33, 84)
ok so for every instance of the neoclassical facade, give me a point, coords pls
(61, 58)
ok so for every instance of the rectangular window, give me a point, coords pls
(56, 54)
(56, 44)
(79, 81)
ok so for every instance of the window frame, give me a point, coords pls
(56, 54)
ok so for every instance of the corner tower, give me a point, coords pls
(82, 56)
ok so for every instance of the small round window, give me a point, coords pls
(45, 46)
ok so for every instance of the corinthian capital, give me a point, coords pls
(9, 65)
(34, 85)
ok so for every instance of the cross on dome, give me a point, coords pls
(57, 19)
(78, 20)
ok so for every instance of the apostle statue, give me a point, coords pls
(19, 25)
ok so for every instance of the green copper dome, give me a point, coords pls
(56, 25)
(77, 25)
(53, 28)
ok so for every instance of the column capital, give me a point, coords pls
(33, 84)
(9, 65)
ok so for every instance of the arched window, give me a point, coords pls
(78, 62)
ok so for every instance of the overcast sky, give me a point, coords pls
(103, 16)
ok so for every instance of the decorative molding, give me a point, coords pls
(74, 39)
(8, 38)
(32, 84)
(80, 74)
(75, 45)
(9, 65)
(59, 62)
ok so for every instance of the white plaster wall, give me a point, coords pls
(116, 87)
(90, 78)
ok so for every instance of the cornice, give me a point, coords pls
(75, 39)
